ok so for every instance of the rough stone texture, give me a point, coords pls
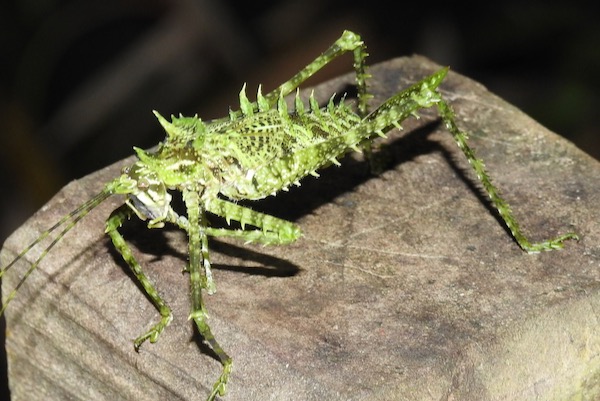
(404, 287)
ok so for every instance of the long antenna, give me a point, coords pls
(70, 220)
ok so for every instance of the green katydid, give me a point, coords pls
(257, 151)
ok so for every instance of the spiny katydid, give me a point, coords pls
(256, 151)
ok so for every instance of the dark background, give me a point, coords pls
(78, 78)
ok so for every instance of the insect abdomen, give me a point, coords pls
(281, 149)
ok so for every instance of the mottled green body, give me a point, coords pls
(256, 152)
(254, 156)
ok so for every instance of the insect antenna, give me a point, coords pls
(67, 222)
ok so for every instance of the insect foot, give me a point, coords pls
(257, 151)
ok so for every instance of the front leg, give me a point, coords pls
(113, 223)
(198, 254)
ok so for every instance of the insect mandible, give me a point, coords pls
(255, 152)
